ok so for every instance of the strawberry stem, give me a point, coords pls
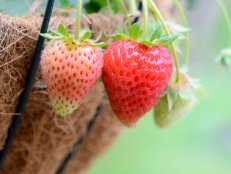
(132, 5)
(156, 13)
(145, 12)
(226, 16)
(185, 24)
(78, 19)
(123, 7)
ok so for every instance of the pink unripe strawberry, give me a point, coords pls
(70, 70)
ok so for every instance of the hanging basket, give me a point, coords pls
(45, 141)
(43, 138)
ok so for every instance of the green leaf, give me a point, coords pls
(166, 40)
(100, 44)
(54, 32)
(85, 34)
(157, 33)
(62, 30)
(93, 6)
(134, 31)
(119, 36)
(50, 37)
(69, 39)
(148, 43)
(65, 4)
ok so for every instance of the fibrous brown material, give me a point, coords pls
(96, 142)
(17, 41)
(43, 139)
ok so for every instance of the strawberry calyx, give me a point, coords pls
(178, 100)
(84, 37)
(155, 36)
(187, 89)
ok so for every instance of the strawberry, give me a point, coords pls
(69, 69)
(179, 100)
(135, 76)
(165, 117)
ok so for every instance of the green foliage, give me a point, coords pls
(166, 40)
(85, 34)
(156, 33)
(153, 38)
(134, 31)
(62, 30)
(62, 33)
(65, 4)
(94, 6)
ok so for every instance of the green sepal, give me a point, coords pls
(187, 89)
(148, 43)
(119, 36)
(62, 30)
(154, 35)
(62, 33)
(54, 32)
(134, 31)
(100, 44)
(85, 34)
(69, 39)
(157, 33)
(166, 40)
(51, 37)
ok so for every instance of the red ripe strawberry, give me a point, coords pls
(69, 71)
(135, 76)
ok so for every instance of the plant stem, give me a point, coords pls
(156, 13)
(78, 19)
(132, 5)
(145, 12)
(226, 16)
(123, 7)
(185, 24)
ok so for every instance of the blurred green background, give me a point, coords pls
(200, 143)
